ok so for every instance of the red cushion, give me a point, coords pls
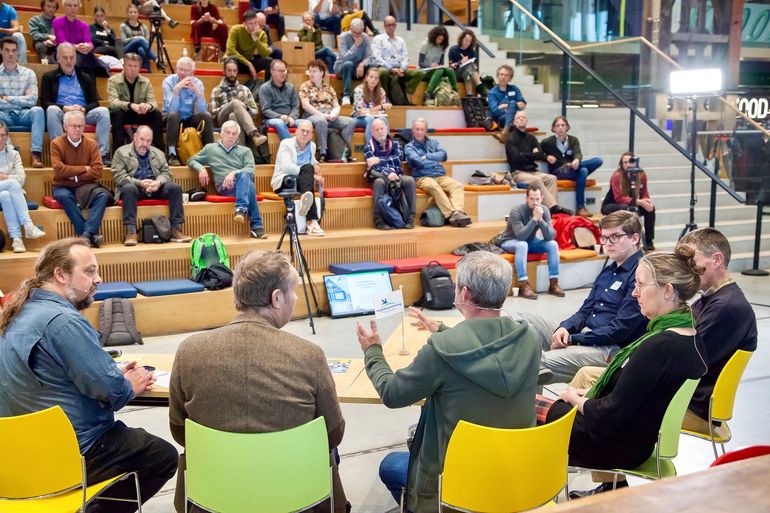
(216, 198)
(271, 130)
(347, 192)
(90, 129)
(147, 202)
(414, 264)
(535, 257)
(467, 130)
(50, 202)
(209, 72)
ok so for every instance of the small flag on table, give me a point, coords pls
(388, 304)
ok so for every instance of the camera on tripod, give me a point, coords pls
(289, 188)
(156, 17)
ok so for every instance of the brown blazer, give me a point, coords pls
(250, 377)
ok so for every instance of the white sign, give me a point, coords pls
(388, 304)
(755, 108)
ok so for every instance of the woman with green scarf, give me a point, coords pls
(619, 417)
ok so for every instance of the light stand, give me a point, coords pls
(691, 225)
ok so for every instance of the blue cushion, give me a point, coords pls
(114, 289)
(360, 267)
(31, 205)
(522, 185)
(167, 287)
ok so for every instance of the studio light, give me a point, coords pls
(696, 82)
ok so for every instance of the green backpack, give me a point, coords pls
(207, 250)
(445, 95)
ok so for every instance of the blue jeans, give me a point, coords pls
(394, 473)
(87, 227)
(22, 43)
(245, 197)
(99, 116)
(332, 24)
(506, 118)
(34, 118)
(328, 56)
(345, 70)
(141, 46)
(366, 122)
(522, 247)
(579, 176)
(14, 205)
(280, 127)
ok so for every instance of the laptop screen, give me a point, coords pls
(353, 294)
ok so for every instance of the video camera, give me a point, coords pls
(289, 188)
(156, 17)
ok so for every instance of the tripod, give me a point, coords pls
(297, 256)
(691, 225)
(160, 45)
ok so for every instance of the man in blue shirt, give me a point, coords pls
(183, 94)
(504, 101)
(67, 88)
(50, 356)
(9, 27)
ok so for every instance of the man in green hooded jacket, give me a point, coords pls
(484, 370)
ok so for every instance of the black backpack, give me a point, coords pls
(117, 324)
(438, 289)
(476, 114)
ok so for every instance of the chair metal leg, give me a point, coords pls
(138, 492)
(713, 440)
(401, 502)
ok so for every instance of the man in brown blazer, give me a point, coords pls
(251, 377)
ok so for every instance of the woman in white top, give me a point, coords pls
(370, 102)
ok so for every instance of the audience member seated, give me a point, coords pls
(523, 154)
(370, 102)
(233, 169)
(132, 102)
(320, 106)
(279, 101)
(351, 10)
(327, 14)
(724, 318)
(464, 59)
(609, 318)
(272, 11)
(247, 42)
(355, 53)
(102, 36)
(490, 381)
(18, 98)
(12, 198)
(41, 31)
(389, 52)
(148, 7)
(424, 157)
(233, 100)
(67, 88)
(205, 21)
(521, 236)
(9, 27)
(141, 172)
(45, 339)
(286, 384)
(275, 53)
(628, 191)
(184, 105)
(504, 101)
(620, 415)
(136, 38)
(76, 168)
(432, 56)
(311, 33)
(565, 161)
(383, 170)
(295, 164)
(69, 29)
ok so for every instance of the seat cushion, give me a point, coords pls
(147, 202)
(167, 287)
(414, 264)
(567, 255)
(570, 184)
(531, 257)
(347, 192)
(498, 187)
(216, 198)
(31, 205)
(50, 202)
(114, 289)
(360, 267)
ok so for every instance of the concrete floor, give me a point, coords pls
(373, 430)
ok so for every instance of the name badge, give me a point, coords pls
(511, 93)
(189, 101)
(616, 285)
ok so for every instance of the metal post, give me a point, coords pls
(713, 201)
(565, 72)
(409, 14)
(755, 270)
(631, 131)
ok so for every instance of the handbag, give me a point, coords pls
(189, 142)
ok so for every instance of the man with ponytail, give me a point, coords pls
(50, 356)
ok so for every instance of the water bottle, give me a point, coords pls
(185, 53)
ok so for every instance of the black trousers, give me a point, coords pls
(123, 449)
(130, 194)
(153, 119)
(260, 63)
(305, 183)
(647, 217)
(174, 123)
(381, 186)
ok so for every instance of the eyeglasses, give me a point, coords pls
(613, 238)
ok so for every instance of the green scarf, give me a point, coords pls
(675, 319)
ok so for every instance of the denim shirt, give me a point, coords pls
(50, 355)
(433, 155)
(186, 102)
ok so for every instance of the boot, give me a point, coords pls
(526, 292)
(554, 288)
(502, 135)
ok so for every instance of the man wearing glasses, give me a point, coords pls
(609, 317)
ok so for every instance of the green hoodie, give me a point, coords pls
(484, 370)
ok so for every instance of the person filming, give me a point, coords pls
(628, 191)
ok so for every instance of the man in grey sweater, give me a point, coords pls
(529, 229)
(41, 31)
(355, 52)
(279, 101)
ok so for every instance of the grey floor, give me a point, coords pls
(373, 430)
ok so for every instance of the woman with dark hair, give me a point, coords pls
(464, 59)
(311, 33)
(205, 21)
(565, 161)
(432, 60)
(102, 36)
(136, 37)
(370, 102)
(628, 191)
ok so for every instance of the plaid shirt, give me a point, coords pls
(224, 93)
(20, 87)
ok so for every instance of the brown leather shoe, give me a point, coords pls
(36, 162)
(583, 212)
(179, 236)
(130, 239)
(554, 288)
(526, 292)
(502, 135)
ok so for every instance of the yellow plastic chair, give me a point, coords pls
(42, 470)
(722, 401)
(494, 470)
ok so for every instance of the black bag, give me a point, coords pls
(432, 217)
(117, 325)
(156, 230)
(477, 246)
(477, 115)
(149, 234)
(215, 277)
(438, 289)
(196, 194)
(262, 152)
(336, 145)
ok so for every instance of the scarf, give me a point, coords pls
(675, 319)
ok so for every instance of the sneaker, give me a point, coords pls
(346, 100)
(305, 202)
(96, 241)
(314, 229)
(409, 225)
(33, 232)
(459, 219)
(602, 488)
(179, 236)
(258, 139)
(18, 245)
(172, 23)
(173, 160)
(322, 157)
(382, 226)
(240, 216)
(257, 233)
(130, 239)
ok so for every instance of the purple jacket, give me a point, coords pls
(74, 32)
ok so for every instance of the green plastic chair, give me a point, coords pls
(279, 472)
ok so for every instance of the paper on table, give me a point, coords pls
(162, 379)
(338, 365)
(473, 59)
